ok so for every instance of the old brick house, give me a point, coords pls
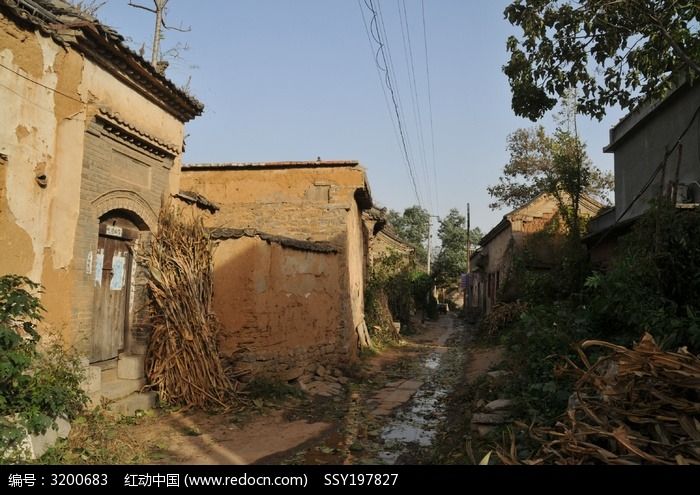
(91, 137)
(490, 264)
(290, 267)
(386, 242)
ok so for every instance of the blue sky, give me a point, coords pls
(296, 79)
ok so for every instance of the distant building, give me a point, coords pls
(491, 263)
(385, 241)
(290, 267)
(643, 169)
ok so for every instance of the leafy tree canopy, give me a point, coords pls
(413, 227)
(557, 165)
(611, 51)
(451, 260)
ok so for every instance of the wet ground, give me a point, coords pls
(394, 411)
(417, 422)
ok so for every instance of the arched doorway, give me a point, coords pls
(119, 233)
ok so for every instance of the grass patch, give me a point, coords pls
(100, 437)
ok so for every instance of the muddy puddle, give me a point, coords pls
(418, 421)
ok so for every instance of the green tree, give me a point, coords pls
(557, 165)
(451, 260)
(613, 52)
(36, 385)
(412, 226)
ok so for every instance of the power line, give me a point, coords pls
(430, 104)
(402, 113)
(379, 75)
(413, 87)
(388, 68)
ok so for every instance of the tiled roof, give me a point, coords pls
(69, 26)
(254, 165)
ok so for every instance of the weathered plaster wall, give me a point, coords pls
(279, 306)
(49, 95)
(498, 250)
(303, 203)
(41, 135)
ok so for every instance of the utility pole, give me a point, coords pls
(468, 288)
(429, 237)
(430, 247)
(159, 9)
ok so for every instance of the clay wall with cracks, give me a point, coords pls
(49, 96)
(272, 325)
(279, 307)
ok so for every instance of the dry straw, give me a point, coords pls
(634, 406)
(183, 362)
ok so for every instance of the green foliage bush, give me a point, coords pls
(652, 285)
(536, 344)
(394, 290)
(38, 384)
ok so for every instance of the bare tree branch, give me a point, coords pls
(159, 9)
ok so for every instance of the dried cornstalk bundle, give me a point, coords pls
(383, 329)
(638, 406)
(501, 316)
(182, 362)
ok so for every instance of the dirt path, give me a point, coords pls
(395, 412)
(390, 414)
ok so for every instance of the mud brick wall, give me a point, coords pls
(279, 307)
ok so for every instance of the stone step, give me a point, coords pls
(130, 367)
(109, 375)
(135, 402)
(118, 389)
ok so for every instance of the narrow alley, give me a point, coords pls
(390, 412)
(315, 248)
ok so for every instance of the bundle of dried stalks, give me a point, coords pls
(639, 406)
(381, 322)
(183, 362)
(501, 316)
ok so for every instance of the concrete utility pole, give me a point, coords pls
(429, 237)
(468, 288)
(430, 247)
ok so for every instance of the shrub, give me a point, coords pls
(38, 384)
(654, 284)
(392, 294)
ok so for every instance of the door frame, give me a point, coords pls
(128, 232)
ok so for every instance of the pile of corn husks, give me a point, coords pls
(638, 406)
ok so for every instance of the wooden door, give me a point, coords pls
(112, 282)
